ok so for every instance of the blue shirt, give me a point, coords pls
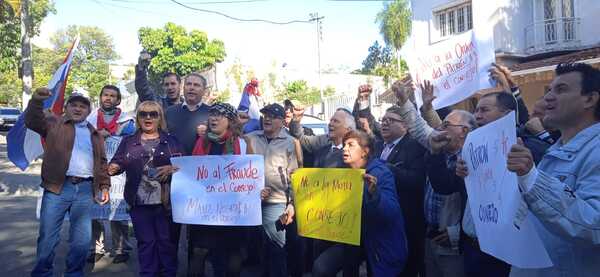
(82, 155)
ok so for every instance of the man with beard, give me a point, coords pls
(171, 84)
(112, 124)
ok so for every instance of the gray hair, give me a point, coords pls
(467, 118)
(348, 118)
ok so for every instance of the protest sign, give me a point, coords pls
(457, 67)
(494, 197)
(116, 209)
(218, 190)
(328, 203)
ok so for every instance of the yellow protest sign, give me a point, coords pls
(328, 203)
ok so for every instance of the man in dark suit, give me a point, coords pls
(405, 158)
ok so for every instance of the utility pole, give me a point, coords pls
(315, 17)
(26, 62)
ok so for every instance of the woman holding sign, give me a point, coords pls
(383, 239)
(223, 137)
(145, 157)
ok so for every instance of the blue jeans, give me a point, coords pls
(76, 199)
(274, 248)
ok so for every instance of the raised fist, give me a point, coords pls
(41, 94)
(144, 59)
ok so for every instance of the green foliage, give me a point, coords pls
(96, 50)
(222, 96)
(45, 62)
(299, 90)
(380, 62)
(175, 50)
(395, 23)
(235, 72)
(10, 31)
(10, 88)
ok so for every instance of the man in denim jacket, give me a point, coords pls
(563, 192)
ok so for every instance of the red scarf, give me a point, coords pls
(203, 145)
(112, 127)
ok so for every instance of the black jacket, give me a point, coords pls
(406, 161)
(536, 145)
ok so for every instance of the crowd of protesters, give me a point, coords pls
(414, 207)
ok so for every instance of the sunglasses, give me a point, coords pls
(145, 114)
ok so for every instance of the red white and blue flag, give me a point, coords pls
(25, 145)
(249, 104)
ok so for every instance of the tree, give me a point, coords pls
(395, 24)
(45, 62)
(10, 29)
(380, 62)
(96, 50)
(299, 90)
(175, 50)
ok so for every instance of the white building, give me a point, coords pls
(530, 36)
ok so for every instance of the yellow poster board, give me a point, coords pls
(328, 203)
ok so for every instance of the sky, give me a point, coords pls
(349, 28)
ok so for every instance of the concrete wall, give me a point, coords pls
(589, 12)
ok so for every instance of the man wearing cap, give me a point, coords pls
(282, 155)
(112, 124)
(74, 170)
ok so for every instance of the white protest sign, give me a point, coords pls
(218, 190)
(494, 197)
(457, 67)
(116, 209)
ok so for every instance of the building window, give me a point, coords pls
(454, 20)
(469, 17)
(460, 18)
(451, 23)
(442, 24)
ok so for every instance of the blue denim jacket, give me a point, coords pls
(564, 198)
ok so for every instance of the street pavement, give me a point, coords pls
(19, 228)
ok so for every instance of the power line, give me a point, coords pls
(240, 19)
(104, 4)
(195, 3)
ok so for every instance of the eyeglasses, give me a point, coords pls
(148, 114)
(447, 124)
(389, 120)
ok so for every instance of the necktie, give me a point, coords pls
(387, 150)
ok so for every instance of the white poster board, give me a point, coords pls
(457, 67)
(218, 190)
(116, 209)
(494, 197)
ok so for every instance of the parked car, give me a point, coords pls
(8, 117)
(318, 126)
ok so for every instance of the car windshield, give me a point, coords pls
(9, 112)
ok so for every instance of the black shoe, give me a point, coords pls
(120, 258)
(94, 258)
